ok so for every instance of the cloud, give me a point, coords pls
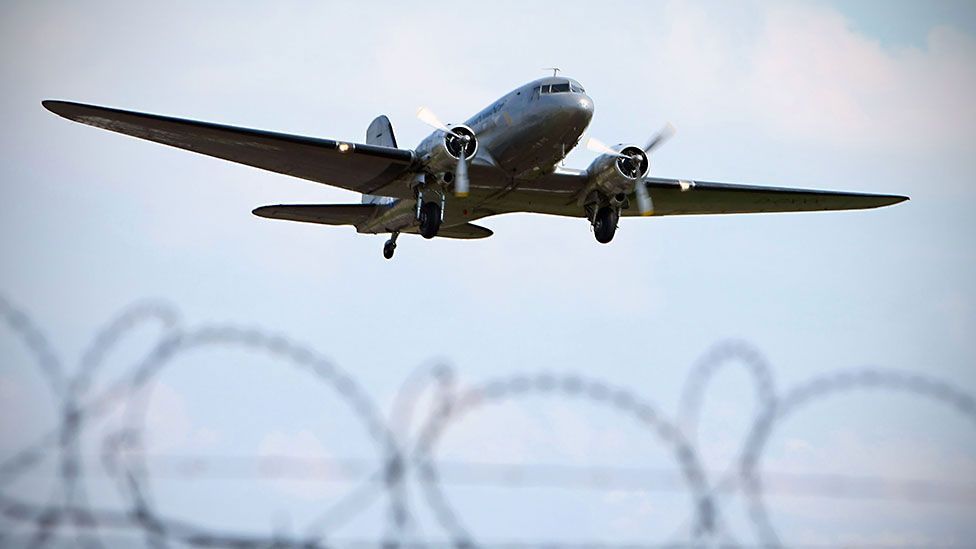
(807, 75)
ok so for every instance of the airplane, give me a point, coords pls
(505, 159)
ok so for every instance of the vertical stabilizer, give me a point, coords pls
(380, 132)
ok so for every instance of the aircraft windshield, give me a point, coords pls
(562, 87)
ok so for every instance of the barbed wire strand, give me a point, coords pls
(400, 449)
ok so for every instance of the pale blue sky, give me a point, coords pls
(905, 22)
(872, 96)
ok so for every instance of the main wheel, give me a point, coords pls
(430, 219)
(605, 224)
(388, 249)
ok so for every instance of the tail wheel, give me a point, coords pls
(605, 224)
(430, 219)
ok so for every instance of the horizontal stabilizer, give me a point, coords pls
(356, 215)
(325, 214)
(467, 231)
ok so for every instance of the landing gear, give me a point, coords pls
(430, 219)
(390, 246)
(605, 224)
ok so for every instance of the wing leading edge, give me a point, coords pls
(358, 167)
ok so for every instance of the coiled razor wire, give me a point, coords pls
(123, 454)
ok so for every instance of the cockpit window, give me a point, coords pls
(559, 88)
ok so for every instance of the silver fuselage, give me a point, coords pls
(522, 135)
(525, 131)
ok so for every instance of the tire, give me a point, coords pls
(430, 219)
(605, 224)
(388, 249)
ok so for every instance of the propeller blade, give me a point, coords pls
(666, 132)
(596, 145)
(428, 117)
(644, 202)
(461, 180)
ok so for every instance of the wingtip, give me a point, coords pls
(262, 211)
(56, 106)
(885, 200)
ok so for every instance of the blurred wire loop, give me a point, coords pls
(408, 450)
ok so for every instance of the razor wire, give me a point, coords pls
(403, 448)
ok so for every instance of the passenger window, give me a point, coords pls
(560, 88)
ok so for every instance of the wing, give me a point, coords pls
(357, 167)
(558, 194)
(681, 197)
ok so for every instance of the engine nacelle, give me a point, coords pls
(613, 175)
(448, 148)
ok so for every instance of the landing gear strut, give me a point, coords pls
(605, 224)
(430, 219)
(390, 245)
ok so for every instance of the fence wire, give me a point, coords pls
(70, 513)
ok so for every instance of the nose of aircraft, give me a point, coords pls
(576, 107)
(584, 108)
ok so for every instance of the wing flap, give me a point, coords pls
(357, 167)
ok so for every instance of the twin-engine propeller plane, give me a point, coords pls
(504, 159)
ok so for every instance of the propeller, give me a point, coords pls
(428, 117)
(644, 203)
(663, 135)
(461, 180)
(596, 145)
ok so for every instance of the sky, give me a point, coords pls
(865, 96)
